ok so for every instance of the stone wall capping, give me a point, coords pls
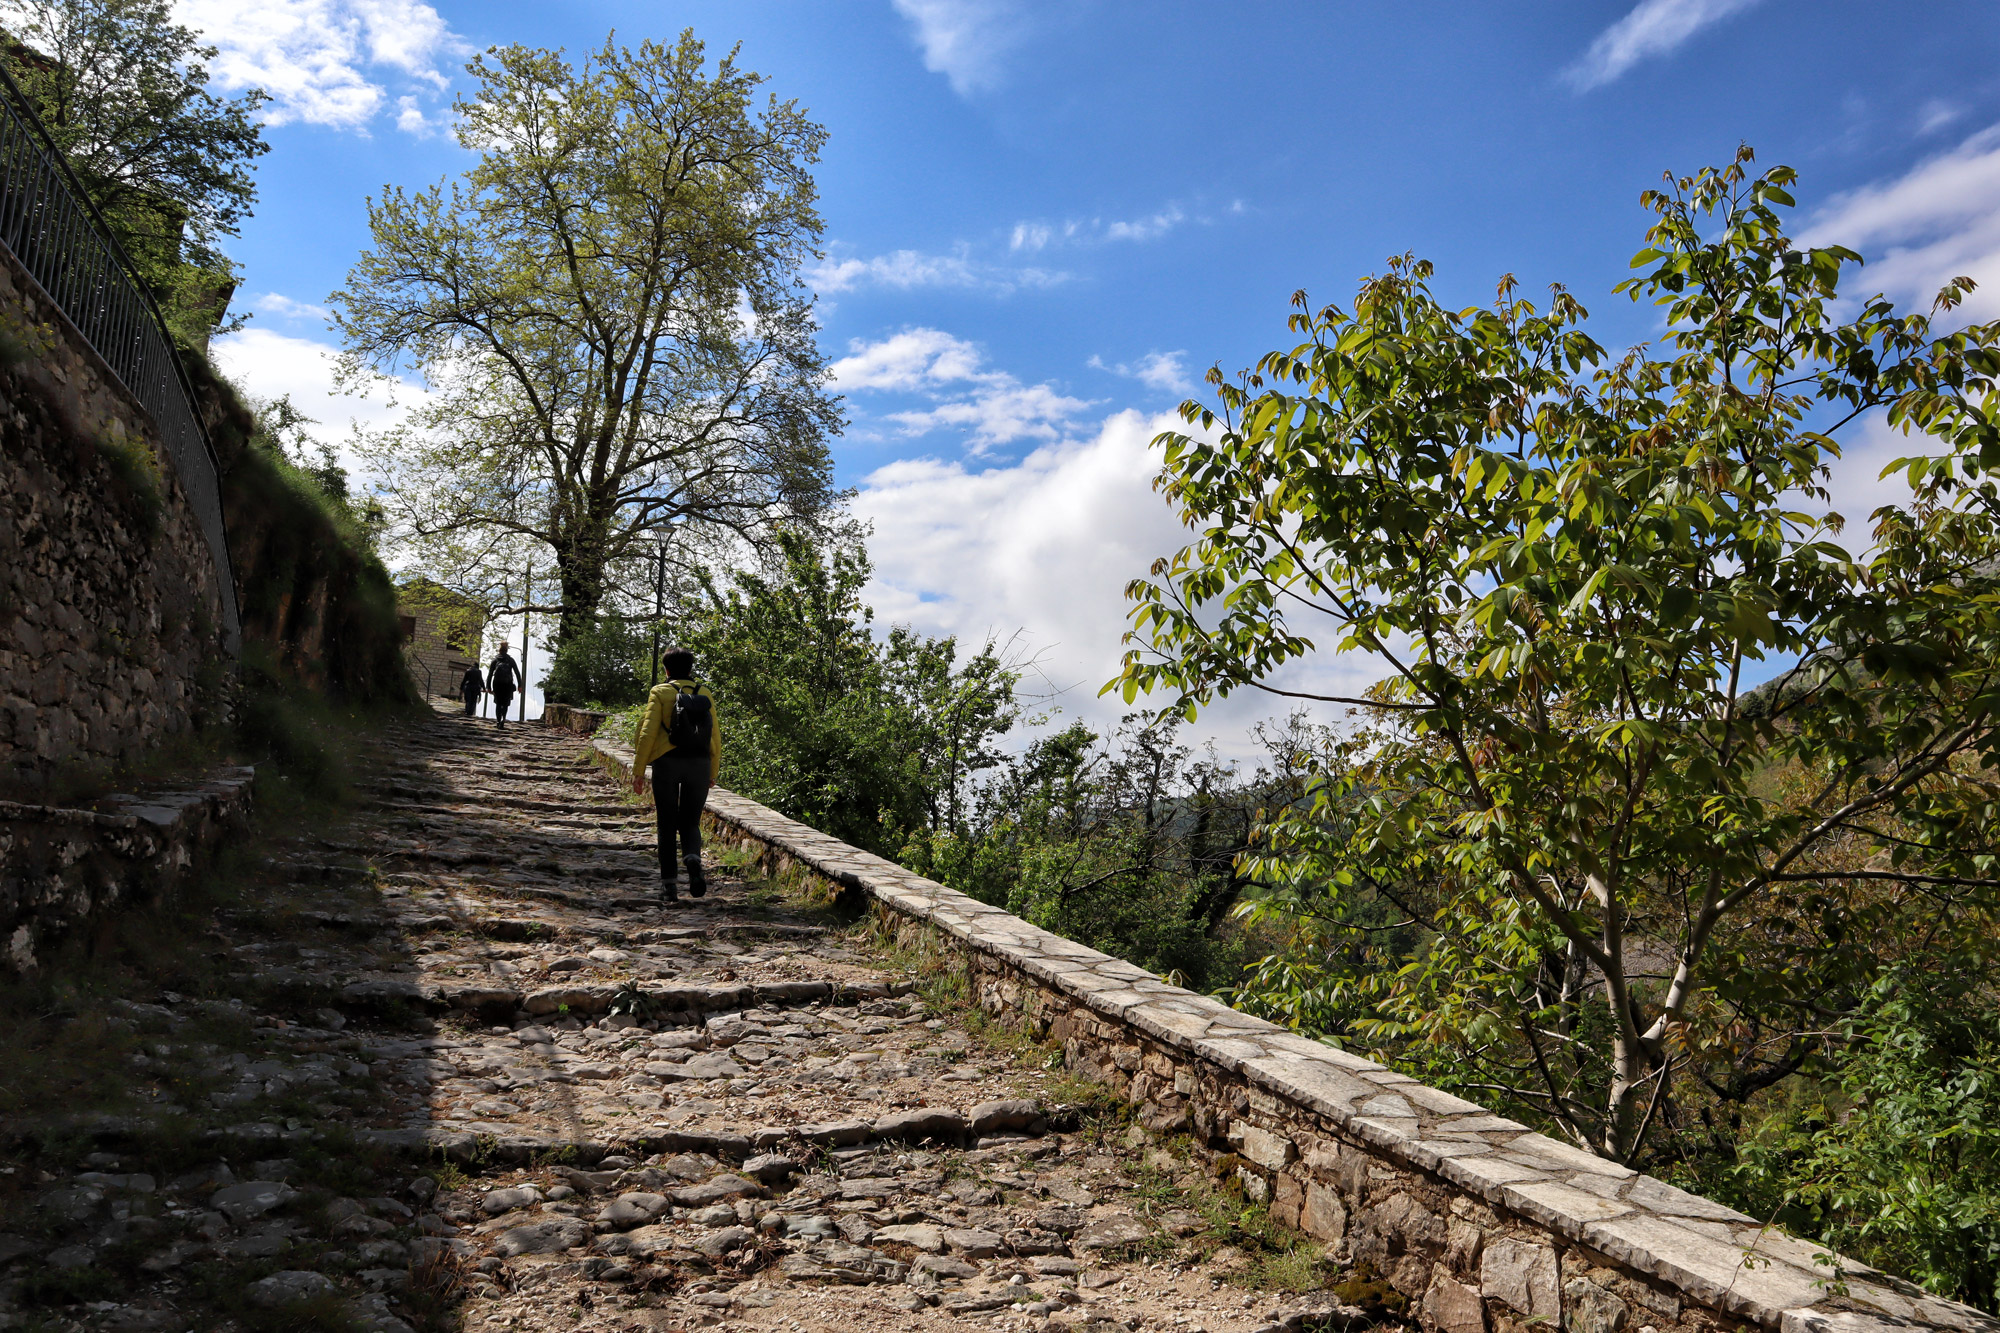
(1360, 1064)
(66, 865)
(1714, 1273)
(1332, 1092)
(1362, 1156)
(1484, 1124)
(1542, 1151)
(1485, 1174)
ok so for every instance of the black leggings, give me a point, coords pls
(680, 790)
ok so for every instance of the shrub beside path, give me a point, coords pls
(448, 1063)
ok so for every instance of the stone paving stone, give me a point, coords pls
(1305, 1088)
(613, 1112)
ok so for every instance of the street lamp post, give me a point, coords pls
(659, 604)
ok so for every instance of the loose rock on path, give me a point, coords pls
(475, 1074)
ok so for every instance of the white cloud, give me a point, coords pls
(1939, 220)
(965, 40)
(999, 414)
(322, 61)
(267, 364)
(1047, 546)
(1935, 114)
(1155, 370)
(992, 406)
(1031, 236)
(276, 303)
(1653, 28)
(412, 120)
(907, 269)
(1855, 478)
(1147, 228)
(912, 359)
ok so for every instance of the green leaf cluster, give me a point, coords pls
(606, 308)
(1896, 1161)
(124, 93)
(855, 733)
(1570, 565)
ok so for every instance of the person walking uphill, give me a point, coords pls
(503, 678)
(682, 741)
(470, 686)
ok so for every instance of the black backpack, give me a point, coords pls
(693, 722)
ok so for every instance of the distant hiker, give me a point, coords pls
(682, 741)
(470, 686)
(503, 678)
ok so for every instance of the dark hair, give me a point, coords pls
(679, 663)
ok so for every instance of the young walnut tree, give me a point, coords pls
(1638, 872)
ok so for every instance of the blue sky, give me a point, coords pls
(1045, 220)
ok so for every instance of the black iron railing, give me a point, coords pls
(50, 227)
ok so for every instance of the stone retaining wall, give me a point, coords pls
(111, 615)
(571, 718)
(1481, 1224)
(60, 867)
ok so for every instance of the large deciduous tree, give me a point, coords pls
(1641, 875)
(607, 313)
(123, 91)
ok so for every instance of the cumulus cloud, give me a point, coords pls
(909, 269)
(998, 414)
(267, 364)
(1046, 546)
(959, 389)
(1937, 221)
(912, 359)
(1155, 370)
(325, 62)
(1652, 28)
(967, 41)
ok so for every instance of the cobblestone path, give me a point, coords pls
(476, 1075)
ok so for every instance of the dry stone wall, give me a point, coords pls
(111, 638)
(1479, 1223)
(62, 867)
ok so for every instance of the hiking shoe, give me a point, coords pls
(697, 882)
(670, 889)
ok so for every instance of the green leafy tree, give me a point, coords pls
(1568, 564)
(1896, 1161)
(856, 735)
(606, 309)
(1127, 843)
(604, 665)
(124, 93)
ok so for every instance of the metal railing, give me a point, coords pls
(53, 231)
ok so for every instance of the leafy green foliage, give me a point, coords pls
(605, 308)
(124, 93)
(311, 588)
(1568, 564)
(602, 665)
(1126, 844)
(1896, 1162)
(822, 720)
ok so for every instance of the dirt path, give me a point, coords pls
(456, 1066)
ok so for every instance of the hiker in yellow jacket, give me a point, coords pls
(682, 741)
